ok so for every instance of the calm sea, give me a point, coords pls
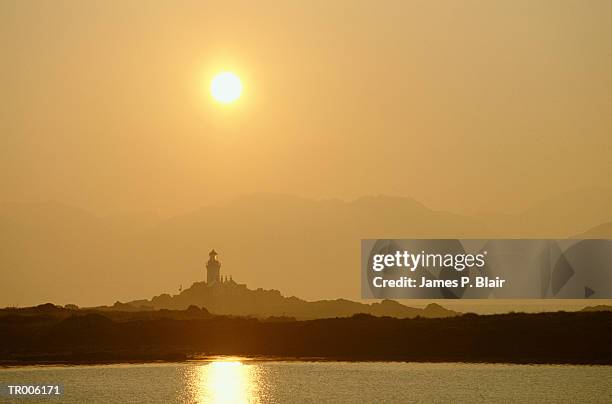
(237, 381)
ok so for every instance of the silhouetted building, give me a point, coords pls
(213, 268)
(213, 272)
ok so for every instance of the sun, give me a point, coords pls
(226, 87)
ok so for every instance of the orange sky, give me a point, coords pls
(461, 105)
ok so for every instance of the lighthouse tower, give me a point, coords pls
(213, 268)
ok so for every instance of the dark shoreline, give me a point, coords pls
(578, 338)
(257, 359)
(187, 358)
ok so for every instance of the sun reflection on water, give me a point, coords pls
(225, 382)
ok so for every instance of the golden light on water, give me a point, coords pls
(226, 382)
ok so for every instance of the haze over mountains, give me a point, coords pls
(310, 249)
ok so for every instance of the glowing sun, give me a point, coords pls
(226, 87)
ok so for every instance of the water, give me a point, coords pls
(237, 381)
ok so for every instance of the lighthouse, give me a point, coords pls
(213, 268)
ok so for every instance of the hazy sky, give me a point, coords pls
(459, 104)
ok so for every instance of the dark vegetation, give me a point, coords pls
(51, 334)
(230, 298)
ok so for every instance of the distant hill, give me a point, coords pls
(306, 248)
(600, 307)
(231, 298)
(54, 252)
(559, 216)
(601, 231)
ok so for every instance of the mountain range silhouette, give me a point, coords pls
(52, 252)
